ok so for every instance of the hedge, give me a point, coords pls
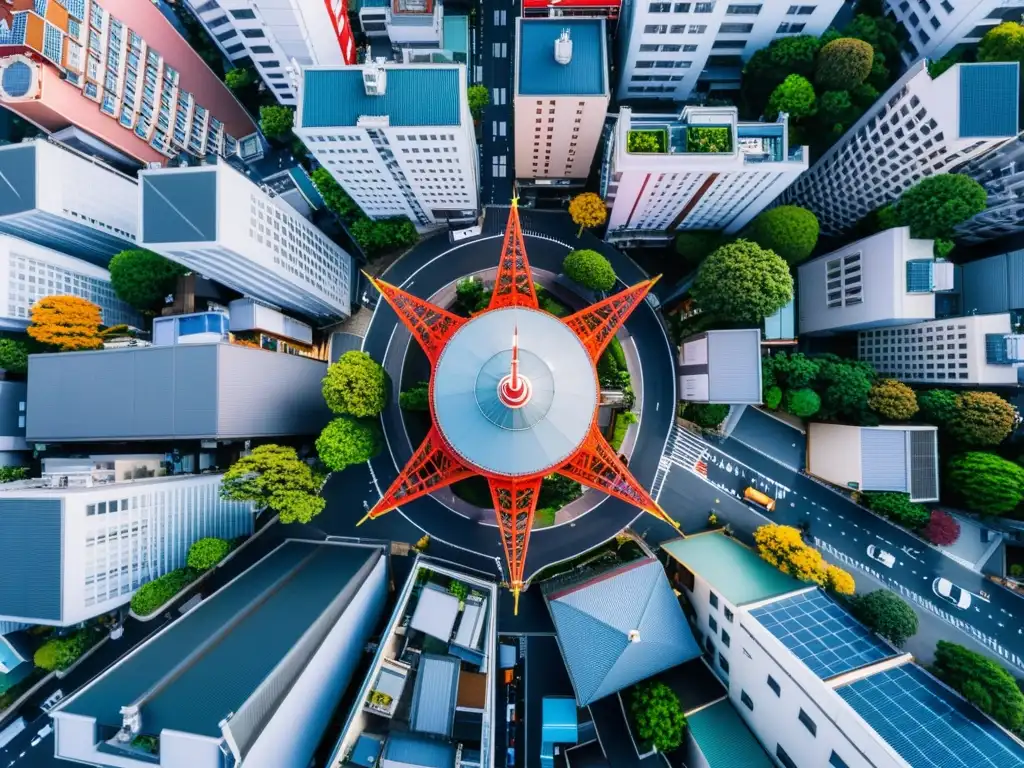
(153, 595)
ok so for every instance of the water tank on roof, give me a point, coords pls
(563, 48)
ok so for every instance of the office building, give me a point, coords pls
(119, 71)
(251, 676)
(214, 220)
(1001, 172)
(886, 279)
(919, 127)
(976, 350)
(561, 98)
(14, 449)
(50, 199)
(722, 366)
(673, 51)
(702, 170)
(398, 138)
(279, 38)
(933, 30)
(816, 687)
(430, 690)
(73, 553)
(992, 285)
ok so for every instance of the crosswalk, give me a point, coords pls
(685, 450)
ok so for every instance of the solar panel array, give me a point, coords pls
(821, 634)
(929, 726)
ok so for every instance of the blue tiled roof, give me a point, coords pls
(414, 96)
(988, 99)
(540, 75)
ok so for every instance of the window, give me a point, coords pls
(713, 599)
(713, 624)
(748, 703)
(836, 761)
(730, 44)
(743, 10)
(735, 29)
(843, 281)
(655, 29)
(682, 8)
(809, 724)
(728, 614)
(262, 49)
(801, 10)
(785, 759)
(774, 686)
(725, 638)
(788, 28)
(703, 7)
(253, 33)
(243, 13)
(723, 663)
(659, 7)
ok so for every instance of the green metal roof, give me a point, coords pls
(988, 99)
(414, 96)
(586, 74)
(724, 739)
(731, 569)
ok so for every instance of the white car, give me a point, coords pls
(52, 701)
(45, 731)
(888, 559)
(950, 592)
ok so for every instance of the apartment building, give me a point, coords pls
(672, 50)
(250, 676)
(934, 29)
(14, 449)
(886, 279)
(279, 37)
(988, 286)
(215, 220)
(921, 126)
(398, 138)
(815, 686)
(50, 199)
(702, 170)
(968, 351)
(602, 9)
(1001, 172)
(73, 553)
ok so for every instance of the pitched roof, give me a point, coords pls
(434, 694)
(618, 628)
(904, 460)
(988, 99)
(724, 739)
(586, 74)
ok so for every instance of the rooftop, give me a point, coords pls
(540, 74)
(731, 569)
(722, 366)
(988, 99)
(724, 739)
(901, 460)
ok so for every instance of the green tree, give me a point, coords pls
(143, 278)
(589, 269)
(694, 245)
(14, 355)
(938, 406)
(769, 66)
(936, 204)
(743, 282)
(942, 247)
(274, 477)
(335, 197)
(844, 386)
(899, 508)
(887, 614)
(347, 441)
(982, 682)
(864, 96)
(657, 716)
(986, 483)
(479, 97)
(795, 370)
(1003, 43)
(206, 553)
(416, 398)
(644, 141)
(789, 230)
(704, 138)
(59, 653)
(843, 64)
(375, 236)
(10, 474)
(880, 33)
(356, 385)
(794, 96)
(802, 403)
(835, 108)
(239, 78)
(772, 398)
(707, 415)
(981, 419)
(938, 66)
(892, 399)
(154, 594)
(276, 121)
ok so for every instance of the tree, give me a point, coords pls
(479, 97)
(887, 614)
(67, 322)
(154, 594)
(880, 33)
(794, 96)
(772, 398)
(769, 66)
(938, 406)
(743, 282)
(864, 96)
(899, 508)
(238, 79)
(942, 530)
(836, 110)
(892, 399)
(416, 398)
(981, 419)
(707, 415)
(936, 204)
(644, 141)
(10, 474)
(987, 484)
(783, 547)
(59, 653)
(844, 64)
(839, 581)
(274, 477)
(694, 245)
(657, 716)
(143, 278)
(982, 682)
(1003, 43)
(347, 441)
(789, 230)
(589, 269)
(375, 236)
(844, 386)
(795, 370)
(13, 356)
(356, 385)
(276, 121)
(335, 197)
(206, 553)
(587, 210)
(802, 403)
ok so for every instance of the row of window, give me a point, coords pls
(732, 10)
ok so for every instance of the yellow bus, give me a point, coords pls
(761, 499)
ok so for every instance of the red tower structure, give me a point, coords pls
(536, 394)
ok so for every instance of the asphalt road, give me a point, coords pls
(496, 32)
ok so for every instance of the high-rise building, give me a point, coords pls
(702, 170)
(986, 286)
(670, 50)
(76, 552)
(213, 219)
(561, 98)
(399, 138)
(933, 30)
(14, 449)
(973, 350)
(280, 37)
(119, 71)
(408, 24)
(557, 9)
(921, 126)
(1001, 172)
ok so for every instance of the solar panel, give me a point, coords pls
(821, 634)
(928, 725)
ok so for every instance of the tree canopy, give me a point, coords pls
(887, 614)
(206, 553)
(938, 406)
(707, 415)
(347, 441)
(802, 403)
(377, 235)
(356, 385)
(68, 323)
(479, 97)
(844, 64)
(587, 210)
(899, 508)
(783, 547)
(13, 355)
(792, 371)
(335, 197)
(768, 67)
(987, 484)
(1004, 42)
(743, 282)
(694, 245)
(143, 278)
(981, 419)
(276, 121)
(795, 96)
(239, 78)
(844, 386)
(416, 398)
(982, 682)
(892, 399)
(789, 230)
(942, 529)
(589, 269)
(274, 477)
(658, 716)
(936, 204)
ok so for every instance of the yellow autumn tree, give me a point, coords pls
(839, 581)
(66, 322)
(587, 210)
(777, 543)
(783, 547)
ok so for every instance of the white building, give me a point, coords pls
(919, 127)
(886, 279)
(216, 221)
(934, 29)
(279, 37)
(398, 138)
(971, 350)
(670, 50)
(710, 171)
(73, 553)
(408, 24)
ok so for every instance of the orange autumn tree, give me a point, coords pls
(67, 322)
(783, 547)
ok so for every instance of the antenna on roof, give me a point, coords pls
(563, 48)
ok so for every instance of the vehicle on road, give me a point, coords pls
(52, 701)
(45, 731)
(7, 734)
(761, 499)
(951, 593)
(888, 559)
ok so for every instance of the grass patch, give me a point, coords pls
(619, 428)
(544, 517)
(651, 140)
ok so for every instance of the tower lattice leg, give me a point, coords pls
(515, 501)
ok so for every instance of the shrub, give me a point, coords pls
(793, 371)
(795, 96)
(276, 121)
(982, 682)
(708, 139)
(942, 530)
(707, 415)
(345, 441)
(987, 484)
(238, 79)
(1004, 42)
(10, 474)
(356, 385)
(981, 419)
(645, 141)
(59, 653)
(936, 204)
(694, 245)
(789, 230)
(657, 716)
(772, 398)
(589, 269)
(743, 282)
(844, 386)
(899, 508)
(416, 398)
(1017, 570)
(13, 356)
(839, 581)
(378, 235)
(206, 553)
(802, 403)
(892, 399)
(887, 614)
(152, 595)
(336, 199)
(844, 64)
(458, 589)
(938, 406)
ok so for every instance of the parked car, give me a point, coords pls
(888, 559)
(45, 731)
(53, 700)
(951, 593)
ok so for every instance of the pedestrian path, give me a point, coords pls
(683, 449)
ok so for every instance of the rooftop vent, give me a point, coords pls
(563, 48)
(634, 635)
(375, 80)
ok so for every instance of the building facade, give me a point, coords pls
(119, 71)
(279, 38)
(920, 127)
(398, 138)
(214, 220)
(602, 9)
(934, 30)
(1001, 172)
(14, 449)
(986, 287)
(708, 171)
(673, 50)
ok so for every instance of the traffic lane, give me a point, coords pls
(20, 753)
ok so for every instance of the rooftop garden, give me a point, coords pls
(648, 141)
(700, 138)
